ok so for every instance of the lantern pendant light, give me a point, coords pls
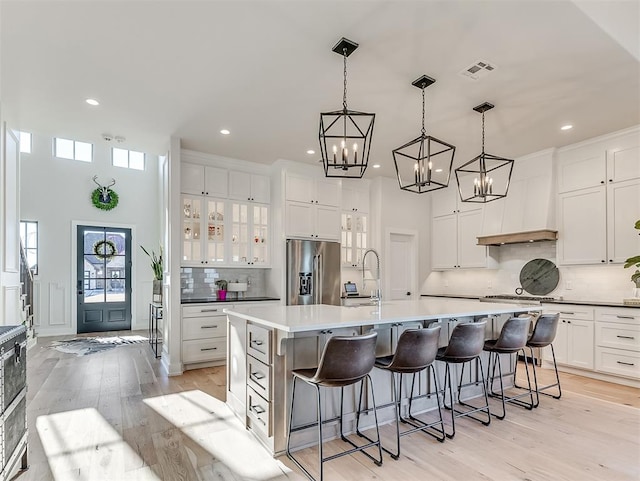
(345, 135)
(484, 178)
(424, 164)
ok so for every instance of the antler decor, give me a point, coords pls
(104, 197)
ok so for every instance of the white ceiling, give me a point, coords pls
(265, 70)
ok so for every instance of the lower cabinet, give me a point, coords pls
(618, 342)
(574, 342)
(204, 334)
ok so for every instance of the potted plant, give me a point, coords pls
(222, 289)
(156, 266)
(635, 261)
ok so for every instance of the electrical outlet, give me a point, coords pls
(446, 283)
(489, 286)
(568, 284)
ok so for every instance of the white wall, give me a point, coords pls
(57, 192)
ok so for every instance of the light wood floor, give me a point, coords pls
(115, 416)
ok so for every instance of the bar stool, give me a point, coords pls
(512, 339)
(465, 345)
(416, 351)
(544, 333)
(345, 360)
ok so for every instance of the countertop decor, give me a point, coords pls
(207, 300)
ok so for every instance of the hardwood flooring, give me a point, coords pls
(115, 416)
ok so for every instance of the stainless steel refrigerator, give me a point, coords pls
(313, 272)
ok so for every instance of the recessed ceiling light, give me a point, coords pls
(566, 127)
(311, 152)
(93, 102)
(376, 166)
(438, 170)
(225, 132)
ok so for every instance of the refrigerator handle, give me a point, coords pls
(315, 279)
(320, 274)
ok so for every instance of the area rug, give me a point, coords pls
(82, 346)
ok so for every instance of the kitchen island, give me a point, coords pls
(265, 343)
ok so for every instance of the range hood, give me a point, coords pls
(518, 237)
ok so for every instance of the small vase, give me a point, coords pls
(157, 291)
(222, 295)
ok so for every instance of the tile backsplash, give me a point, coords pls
(199, 282)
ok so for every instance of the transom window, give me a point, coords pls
(72, 149)
(25, 142)
(29, 238)
(129, 159)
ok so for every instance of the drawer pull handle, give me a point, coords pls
(208, 327)
(258, 409)
(257, 375)
(570, 313)
(625, 337)
(208, 310)
(208, 348)
(257, 342)
(626, 363)
(625, 317)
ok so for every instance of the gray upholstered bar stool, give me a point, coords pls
(416, 351)
(512, 339)
(345, 360)
(544, 333)
(465, 346)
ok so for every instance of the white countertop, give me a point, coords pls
(321, 316)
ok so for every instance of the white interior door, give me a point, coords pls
(402, 266)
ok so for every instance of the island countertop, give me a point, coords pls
(294, 319)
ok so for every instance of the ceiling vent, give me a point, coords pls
(478, 70)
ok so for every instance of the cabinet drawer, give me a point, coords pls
(259, 343)
(204, 310)
(617, 335)
(259, 377)
(622, 316)
(258, 412)
(615, 361)
(570, 311)
(204, 350)
(203, 327)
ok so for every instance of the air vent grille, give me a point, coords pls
(478, 70)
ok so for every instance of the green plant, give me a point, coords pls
(222, 284)
(634, 261)
(156, 263)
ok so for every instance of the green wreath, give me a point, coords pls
(100, 249)
(96, 199)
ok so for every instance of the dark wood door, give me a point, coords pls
(104, 279)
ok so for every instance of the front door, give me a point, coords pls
(104, 279)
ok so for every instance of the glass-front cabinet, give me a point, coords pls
(354, 229)
(249, 234)
(203, 231)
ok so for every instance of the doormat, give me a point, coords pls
(81, 346)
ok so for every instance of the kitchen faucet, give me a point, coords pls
(377, 294)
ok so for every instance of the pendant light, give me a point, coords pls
(345, 135)
(424, 164)
(486, 177)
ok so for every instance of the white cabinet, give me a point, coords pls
(249, 187)
(455, 227)
(312, 207)
(250, 235)
(354, 231)
(355, 198)
(617, 341)
(199, 179)
(598, 203)
(203, 230)
(574, 342)
(204, 334)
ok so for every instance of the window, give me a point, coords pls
(127, 158)
(72, 149)
(25, 142)
(29, 240)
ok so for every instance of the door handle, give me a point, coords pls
(408, 293)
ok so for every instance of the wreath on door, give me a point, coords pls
(105, 249)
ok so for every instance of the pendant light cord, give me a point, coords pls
(483, 131)
(344, 95)
(423, 131)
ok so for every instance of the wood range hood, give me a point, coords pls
(518, 237)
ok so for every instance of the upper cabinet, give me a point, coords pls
(199, 179)
(455, 227)
(355, 198)
(599, 201)
(249, 187)
(320, 191)
(355, 221)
